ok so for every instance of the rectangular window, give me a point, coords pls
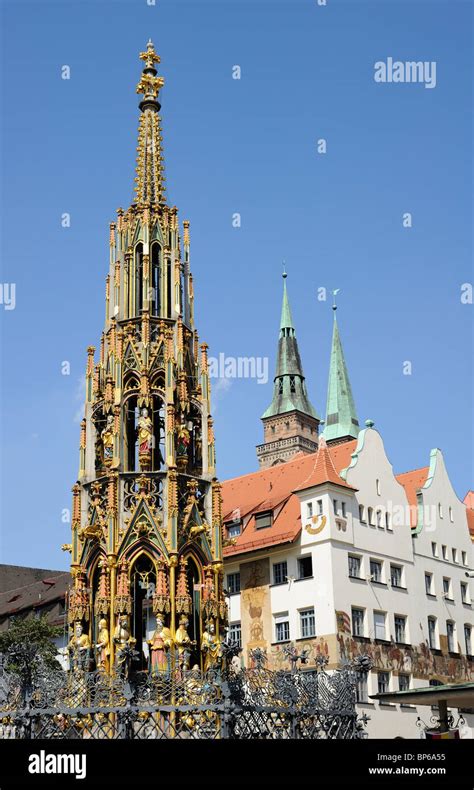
(400, 628)
(376, 570)
(395, 575)
(263, 520)
(388, 523)
(307, 623)
(379, 625)
(282, 629)
(305, 567)
(432, 632)
(233, 583)
(319, 503)
(450, 635)
(336, 507)
(444, 551)
(343, 509)
(464, 595)
(280, 572)
(378, 517)
(362, 514)
(403, 682)
(429, 583)
(370, 516)
(357, 622)
(454, 553)
(235, 633)
(434, 549)
(446, 587)
(361, 687)
(234, 529)
(383, 682)
(467, 639)
(464, 557)
(354, 567)
(309, 509)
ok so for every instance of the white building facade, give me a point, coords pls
(333, 553)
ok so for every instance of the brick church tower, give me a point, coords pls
(290, 423)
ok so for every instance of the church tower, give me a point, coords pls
(341, 423)
(146, 524)
(290, 423)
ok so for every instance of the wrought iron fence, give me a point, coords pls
(255, 703)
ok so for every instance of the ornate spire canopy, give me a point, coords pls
(150, 178)
(341, 416)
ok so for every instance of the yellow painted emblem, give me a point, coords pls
(314, 530)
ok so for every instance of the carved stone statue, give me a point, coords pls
(182, 444)
(211, 647)
(122, 640)
(160, 645)
(184, 644)
(102, 646)
(78, 648)
(145, 432)
(107, 436)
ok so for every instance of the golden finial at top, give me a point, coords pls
(150, 85)
(150, 57)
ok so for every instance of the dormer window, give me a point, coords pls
(263, 520)
(292, 384)
(280, 386)
(234, 529)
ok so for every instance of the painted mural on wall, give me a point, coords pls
(417, 660)
(319, 646)
(255, 604)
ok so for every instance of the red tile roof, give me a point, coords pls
(469, 502)
(272, 490)
(412, 482)
(323, 471)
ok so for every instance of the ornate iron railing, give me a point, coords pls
(236, 703)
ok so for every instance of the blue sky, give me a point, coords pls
(246, 146)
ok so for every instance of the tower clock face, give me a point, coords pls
(316, 525)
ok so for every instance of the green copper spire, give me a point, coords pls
(341, 417)
(286, 319)
(289, 388)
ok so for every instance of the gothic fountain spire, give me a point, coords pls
(147, 503)
(150, 179)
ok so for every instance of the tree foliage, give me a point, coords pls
(28, 646)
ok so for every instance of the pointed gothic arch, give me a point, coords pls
(156, 279)
(195, 579)
(142, 575)
(138, 272)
